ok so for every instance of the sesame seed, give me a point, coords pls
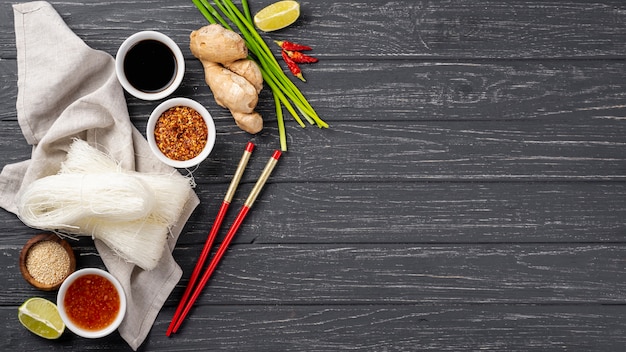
(48, 262)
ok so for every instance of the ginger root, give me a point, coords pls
(234, 80)
(230, 90)
(249, 70)
(217, 44)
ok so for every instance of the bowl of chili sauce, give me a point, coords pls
(91, 303)
(181, 132)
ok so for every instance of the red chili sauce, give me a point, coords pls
(92, 302)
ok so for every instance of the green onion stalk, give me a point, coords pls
(284, 91)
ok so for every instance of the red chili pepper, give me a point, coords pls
(285, 45)
(301, 58)
(293, 67)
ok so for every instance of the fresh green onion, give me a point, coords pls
(281, 123)
(285, 92)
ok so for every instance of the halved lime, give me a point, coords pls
(41, 317)
(277, 15)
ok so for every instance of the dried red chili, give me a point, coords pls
(285, 45)
(301, 58)
(293, 66)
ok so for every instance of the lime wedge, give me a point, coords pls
(277, 15)
(41, 317)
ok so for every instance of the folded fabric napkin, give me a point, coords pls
(67, 90)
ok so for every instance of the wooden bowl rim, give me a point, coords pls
(41, 238)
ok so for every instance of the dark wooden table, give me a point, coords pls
(469, 195)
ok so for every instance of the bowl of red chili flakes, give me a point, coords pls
(91, 303)
(181, 132)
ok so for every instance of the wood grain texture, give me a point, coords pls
(374, 327)
(469, 195)
(344, 29)
(446, 212)
(416, 91)
(402, 274)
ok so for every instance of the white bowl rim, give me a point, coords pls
(87, 333)
(128, 44)
(208, 119)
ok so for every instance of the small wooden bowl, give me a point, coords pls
(24, 255)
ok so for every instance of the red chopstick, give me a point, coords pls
(229, 236)
(213, 233)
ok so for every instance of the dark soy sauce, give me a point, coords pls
(150, 66)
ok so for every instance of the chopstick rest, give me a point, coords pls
(256, 190)
(228, 197)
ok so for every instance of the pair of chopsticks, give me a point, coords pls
(191, 294)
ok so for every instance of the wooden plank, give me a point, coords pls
(429, 212)
(402, 274)
(377, 28)
(421, 91)
(404, 328)
(411, 213)
(358, 90)
(416, 274)
(363, 328)
(403, 151)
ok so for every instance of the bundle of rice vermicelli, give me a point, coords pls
(170, 190)
(92, 195)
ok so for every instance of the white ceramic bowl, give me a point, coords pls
(68, 322)
(208, 119)
(132, 41)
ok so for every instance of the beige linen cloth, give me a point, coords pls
(67, 90)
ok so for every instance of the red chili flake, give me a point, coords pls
(285, 45)
(181, 133)
(301, 58)
(293, 66)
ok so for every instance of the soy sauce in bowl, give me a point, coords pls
(150, 66)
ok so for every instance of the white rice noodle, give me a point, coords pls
(92, 195)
